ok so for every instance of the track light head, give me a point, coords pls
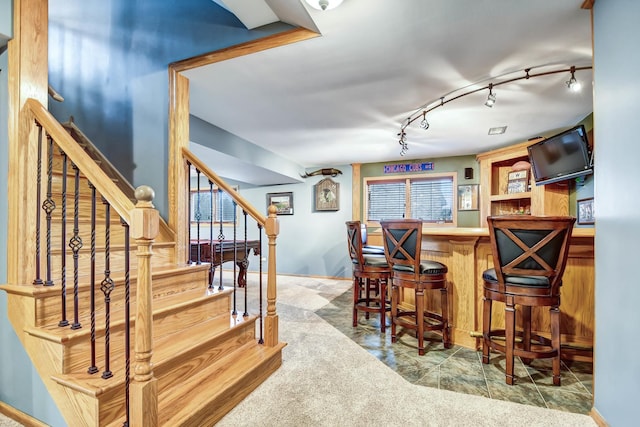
(573, 84)
(424, 124)
(491, 98)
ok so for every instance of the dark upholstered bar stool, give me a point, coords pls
(529, 257)
(402, 246)
(370, 276)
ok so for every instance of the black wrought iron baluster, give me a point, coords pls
(38, 280)
(189, 211)
(198, 217)
(220, 236)
(235, 260)
(106, 287)
(63, 242)
(76, 244)
(93, 368)
(212, 268)
(246, 254)
(127, 318)
(261, 340)
(49, 206)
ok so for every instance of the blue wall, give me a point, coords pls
(109, 61)
(617, 150)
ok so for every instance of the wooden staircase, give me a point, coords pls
(204, 358)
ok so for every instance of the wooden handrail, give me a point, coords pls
(211, 175)
(105, 186)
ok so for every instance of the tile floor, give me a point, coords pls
(460, 369)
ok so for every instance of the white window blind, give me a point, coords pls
(432, 200)
(224, 207)
(429, 199)
(386, 201)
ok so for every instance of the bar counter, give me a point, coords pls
(467, 253)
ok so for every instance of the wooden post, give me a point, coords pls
(144, 388)
(272, 228)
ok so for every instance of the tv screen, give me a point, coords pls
(561, 157)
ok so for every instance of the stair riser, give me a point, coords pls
(48, 309)
(77, 352)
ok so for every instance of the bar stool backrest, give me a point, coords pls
(402, 244)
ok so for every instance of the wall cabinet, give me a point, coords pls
(495, 198)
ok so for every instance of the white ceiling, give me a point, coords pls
(342, 98)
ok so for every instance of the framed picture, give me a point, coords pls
(586, 214)
(468, 197)
(518, 182)
(282, 201)
(327, 195)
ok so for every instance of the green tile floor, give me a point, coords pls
(460, 369)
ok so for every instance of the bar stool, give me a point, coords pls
(529, 257)
(402, 245)
(370, 276)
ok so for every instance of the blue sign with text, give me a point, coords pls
(408, 167)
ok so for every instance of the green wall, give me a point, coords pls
(440, 165)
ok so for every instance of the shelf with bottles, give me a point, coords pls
(520, 206)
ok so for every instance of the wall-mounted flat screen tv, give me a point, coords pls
(561, 157)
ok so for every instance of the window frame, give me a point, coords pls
(407, 179)
(216, 191)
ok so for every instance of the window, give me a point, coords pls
(201, 206)
(429, 198)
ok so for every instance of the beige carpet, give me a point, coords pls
(328, 380)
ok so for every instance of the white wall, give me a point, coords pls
(617, 207)
(310, 243)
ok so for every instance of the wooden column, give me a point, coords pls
(462, 276)
(28, 78)
(144, 388)
(272, 228)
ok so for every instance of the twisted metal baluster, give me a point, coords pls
(93, 368)
(127, 318)
(261, 340)
(49, 206)
(246, 254)
(106, 287)
(63, 237)
(76, 244)
(220, 237)
(38, 280)
(198, 217)
(235, 260)
(212, 268)
(189, 211)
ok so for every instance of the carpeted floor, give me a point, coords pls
(327, 379)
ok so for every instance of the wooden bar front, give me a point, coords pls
(467, 253)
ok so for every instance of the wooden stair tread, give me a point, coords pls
(197, 393)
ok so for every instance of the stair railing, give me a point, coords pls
(228, 246)
(55, 146)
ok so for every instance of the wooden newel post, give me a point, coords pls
(272, 228)
(144, 388)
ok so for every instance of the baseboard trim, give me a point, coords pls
(598, 418)
(19, 416)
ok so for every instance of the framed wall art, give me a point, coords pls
(586, 213)
(282, 201)
(327, 195)
(468, 197)
(518, 182)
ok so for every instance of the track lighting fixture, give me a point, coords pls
(491, 99)
(572, 84)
